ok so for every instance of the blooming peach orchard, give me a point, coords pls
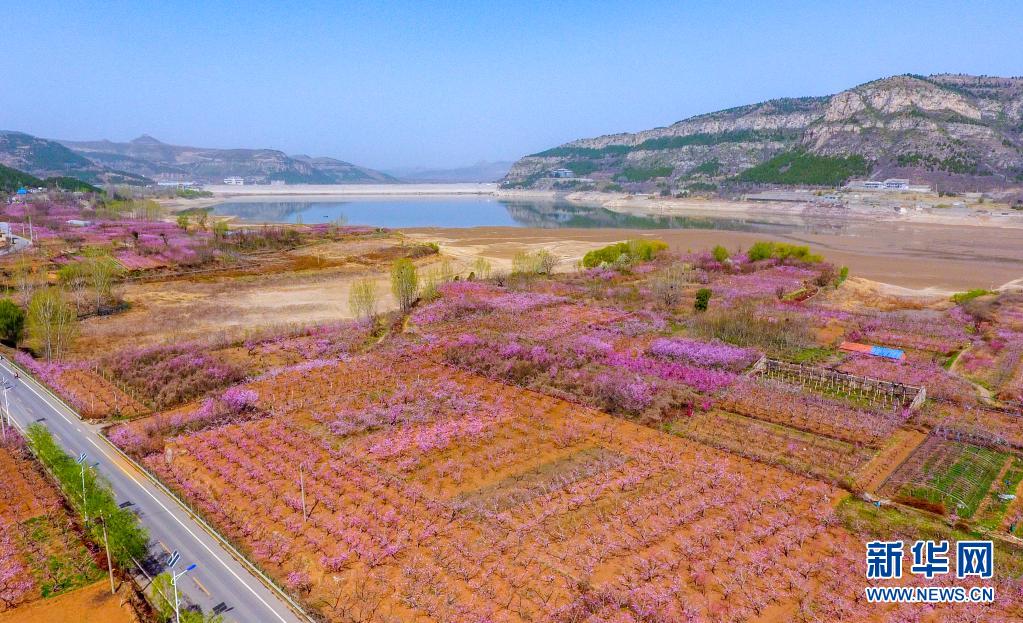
(592, 447)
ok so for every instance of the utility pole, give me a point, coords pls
(301, 482)
(106, 543)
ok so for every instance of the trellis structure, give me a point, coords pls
(875, 391)
(966, 461)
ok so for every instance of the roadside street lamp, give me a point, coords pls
(174, 583)
(85, 501)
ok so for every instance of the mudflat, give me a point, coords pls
(910, 255)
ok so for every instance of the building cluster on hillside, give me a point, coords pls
(892, 184)
(234, 181)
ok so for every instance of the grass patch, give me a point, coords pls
(888, 523)
(961, 486)
(994, 512)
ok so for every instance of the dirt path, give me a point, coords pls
(987, 498)
(872, 475)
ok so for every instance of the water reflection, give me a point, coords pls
(489, 212)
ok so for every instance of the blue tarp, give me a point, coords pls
(889, 353)
(22, 191)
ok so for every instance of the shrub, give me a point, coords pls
(745, 326)
(667, 288)
(962, 297)
(404, 283)
(540, 262)
(843, 274)
(637, 251)
(765, 250)
(12, 322)
(702, 299)
(720, 254)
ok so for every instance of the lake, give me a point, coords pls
(477, 211)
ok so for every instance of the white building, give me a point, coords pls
(234, 181)
(890, 184)
(562, 173)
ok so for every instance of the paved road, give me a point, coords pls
(219, 578)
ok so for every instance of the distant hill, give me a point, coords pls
(150, 157)
(480, 172)
(956, 132)
(12, 179)
(45, 158)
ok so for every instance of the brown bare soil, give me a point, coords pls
(89, 604)
(307, 286)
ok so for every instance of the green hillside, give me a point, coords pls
(13, 179)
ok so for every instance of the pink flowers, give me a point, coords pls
(173, 374)
(716, 355)
(464, 298)
(700, 379)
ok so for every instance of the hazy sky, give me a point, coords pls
(390, 84)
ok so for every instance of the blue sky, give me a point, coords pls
(391, 84)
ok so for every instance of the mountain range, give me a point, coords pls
(146, 159)
(482, 171)
(955, 132)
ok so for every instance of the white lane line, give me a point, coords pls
(175, 518)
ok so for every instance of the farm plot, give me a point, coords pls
(805, 453)
(947, 476)
(791, 405)
(41, 552)
(512, 537)
(380, 505)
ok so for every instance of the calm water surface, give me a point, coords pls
(401, 213)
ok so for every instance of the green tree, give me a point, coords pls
(362, 299)
(702, 299)
(183, 221)
(102, 271)
(127, 539)
(12, 322)
(720, 253)
(50, 322)
(220, 230)
(404, 283)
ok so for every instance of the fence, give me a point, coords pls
(874, 391)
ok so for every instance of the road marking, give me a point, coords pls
(201, 587)
(169, 512)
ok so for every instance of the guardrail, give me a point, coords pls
(185, 506)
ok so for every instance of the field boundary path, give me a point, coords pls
(876, 471)
(227, 580)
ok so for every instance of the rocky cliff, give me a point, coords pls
(956, 132)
